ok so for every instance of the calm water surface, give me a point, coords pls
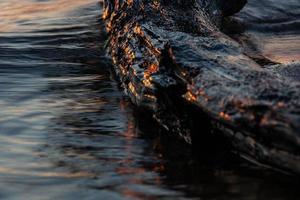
(273, 28)
(67, 131)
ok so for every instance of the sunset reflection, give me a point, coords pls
(282, 49)
(14, 15)
(69, 131)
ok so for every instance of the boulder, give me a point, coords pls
(173, 60)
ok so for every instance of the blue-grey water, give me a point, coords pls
(68, 132)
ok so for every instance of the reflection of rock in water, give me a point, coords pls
(162, 56)
(108, 159)
(101, 140)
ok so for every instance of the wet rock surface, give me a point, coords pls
(173, 60)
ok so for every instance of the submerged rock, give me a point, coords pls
(173, 60)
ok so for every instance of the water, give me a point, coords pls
(68, 132)
(273, 28)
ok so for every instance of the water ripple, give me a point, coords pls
(67, 131)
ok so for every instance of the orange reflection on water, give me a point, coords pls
(45, 174)
(130, 166)
(14, 12)
(282, 49)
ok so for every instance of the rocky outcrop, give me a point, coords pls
(173, 60)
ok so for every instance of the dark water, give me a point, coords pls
(67, 131)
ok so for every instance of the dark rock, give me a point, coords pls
(230, 7)
(173, 60)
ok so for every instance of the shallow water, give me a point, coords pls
(273, 27)
(68, 132)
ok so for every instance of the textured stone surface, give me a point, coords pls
(169, 54)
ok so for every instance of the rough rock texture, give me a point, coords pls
(169, 53)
